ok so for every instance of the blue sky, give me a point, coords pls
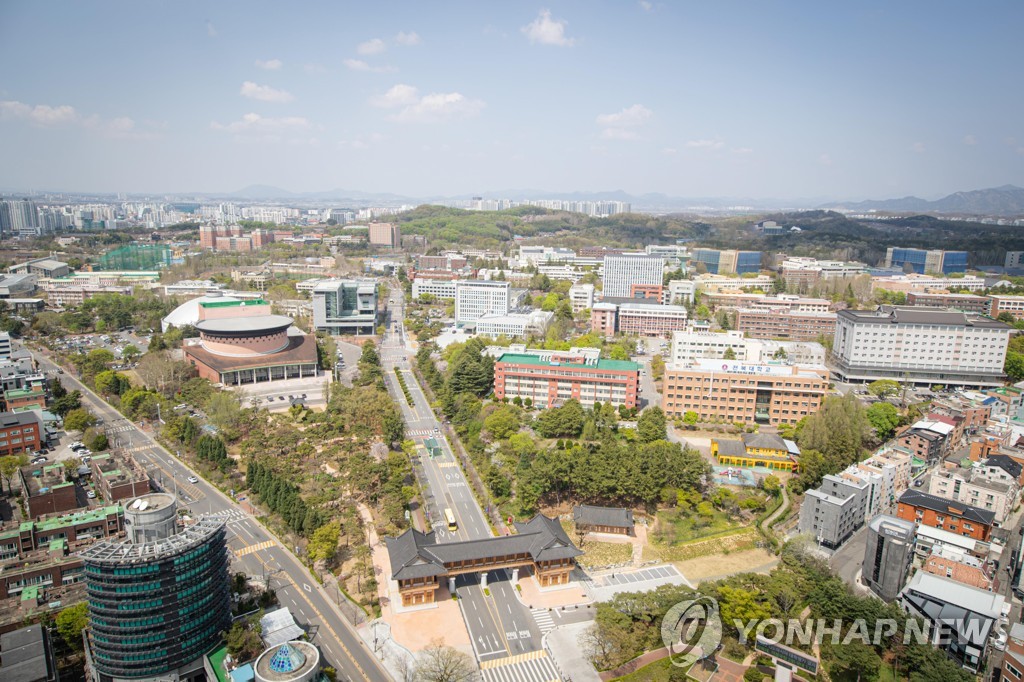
(756, 99)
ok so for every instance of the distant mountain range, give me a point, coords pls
(1007, 200)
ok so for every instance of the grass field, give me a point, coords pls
(599, 554)
(652, 672)
(734, 540)
(674, 527)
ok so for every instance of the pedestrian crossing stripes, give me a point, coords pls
(544, 620)
(534, 666)
(120, 428)
(249, 549)
(448, 464)
(422, 433)
(230, 515)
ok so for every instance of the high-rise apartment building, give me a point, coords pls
(345, 307)
(624, 270)
(922, 261)
(476, 298)
(159, 600)
(385, 234)
(887, 555)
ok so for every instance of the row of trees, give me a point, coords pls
(282, 497)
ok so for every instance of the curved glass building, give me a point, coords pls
(157, 604)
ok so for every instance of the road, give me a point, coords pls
(254, 549)
(505, 635)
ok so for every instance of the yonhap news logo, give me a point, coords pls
(692, 631)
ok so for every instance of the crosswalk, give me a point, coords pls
(249, 549)
(120, 428)
(544, 620)
(534, 666)
(233, 514)
(444, 465)
(420, 433)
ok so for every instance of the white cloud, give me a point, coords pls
(669, 151)
(210, 30)
(408, 39)
(970, 139)
(374, 46)
(439, 106)
(360, 65)
(705, 144)
(270, 64)
(398, 96)
(825, 160)
(264, 93)
(315, 67)
(629, 117)
(40, 114)
(742, 150)
(548, 31)
(619, 134)
(254, 123)
(647, 6)
(918, 148)
(121, 128)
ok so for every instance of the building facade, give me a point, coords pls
(744, 392)
(919, 345)
(623, 271)
(938, 512)
(768, 323)
(887, 555)
(968, 303)
(385, 234)
(345, 307)
(835, 511)
(550, 378)
(727, 261)
(476, 298)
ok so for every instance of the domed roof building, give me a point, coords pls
(187, 313)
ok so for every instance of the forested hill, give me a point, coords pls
(444, 226)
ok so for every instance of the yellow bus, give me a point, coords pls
(450, 518)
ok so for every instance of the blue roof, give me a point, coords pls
(243, 673)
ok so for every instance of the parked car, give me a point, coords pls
(90, 494)
(193, 479)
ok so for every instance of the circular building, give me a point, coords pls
(245, 336)
(294, 661)
(157, 605)
(187, 313)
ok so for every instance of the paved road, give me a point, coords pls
(254, 549)
(505, 635)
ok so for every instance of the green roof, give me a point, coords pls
(59, 543)
(112, 472)
(30, 593)
(217, 657)
(71, 519)
(231, 304)
(526, 359)
(22, 392)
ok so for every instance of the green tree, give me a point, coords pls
(883, 388)
(78, 420)
(98, 442)
(1014, 366)
(71, 623)
(323, 544)
(729, 354)
(130, 352)
(651, 425)
(855, 661)
(690, 418)
(67, 402)
(771, 484)
(884, 418)
(224, 410)
(9, 465)
(111, 383)
(502, 422)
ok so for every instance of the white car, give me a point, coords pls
(90, 494)
(192, 479)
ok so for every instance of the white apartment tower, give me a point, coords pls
(623, 271)
(476, 298)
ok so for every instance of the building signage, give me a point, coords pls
(744, 368)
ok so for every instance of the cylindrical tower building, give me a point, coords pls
(156, 606)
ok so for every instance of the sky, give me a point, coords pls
(759, 99)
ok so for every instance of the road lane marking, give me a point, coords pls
(249, 549)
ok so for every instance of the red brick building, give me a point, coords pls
(767, 323)
(938, 512)
(550, 378)
(20, 432)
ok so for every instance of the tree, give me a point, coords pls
(439, 663)
(111, 383)
(223, 410)
(71, 465)
(883, 388)
(690, 418)
(324, 543)
(729, 354)
(9, 465)
(771, 484)
(71, 622)
(884, 418)
(651, 425)
(855, 661)
(160, 371)
(502, 422)
(1014, 366)
(98, 442)
(78, 420)
(243, 641)
(130, 352)
(66, 403)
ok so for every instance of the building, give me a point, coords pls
(744, 392)
(718, 284)
(26, 655)
(988, 488)
(438, 288)
(887, 555)
(43, 267)
(46, 490)
(960, 618)
(922, 261)
(17, 286)
(1011, 305)
(118, 477)
(1012, 666)
(835, 511)
(30, 397)
(956, 564)
(1014, 259)
(476, 298)
(679, 292)
(385, 234)
(240, 342)
(938, 512)
(968, 303)
(590, 519)
(802, 274)
(603, 318)
(757, 450)
(520, 325)
(641, 319)
(550, 378)
(927, 440)
(345, 307)
(173, 581)
(768, 323)
(581, 297)
(691, 345)
(419, 562)
(20, 432)
(727, 261)
(623, 271)
(61, 296)
(927, 283)
(919, 345)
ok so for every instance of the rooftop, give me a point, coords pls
(255, 324)
(527, 359)
(917, 498)
(602, 516)
(922, 315)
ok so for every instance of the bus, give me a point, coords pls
(450, 518)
